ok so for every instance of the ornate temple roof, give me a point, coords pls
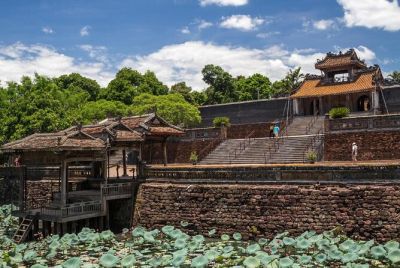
(346, 59)
(93, 137)
(314, 86)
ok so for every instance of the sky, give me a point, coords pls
(177, 38)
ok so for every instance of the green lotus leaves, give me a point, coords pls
(321, 257)
(394, 256)
(167, 229)
(138, 231)
(286, 262)
(175, 233)
(225, 237)
(199, 262)
(178, 260)
(182, 252)
(305, 259)
(155, 262)
(303, 244)
(198, 239)
(148, 237)
(288, 241)
(391, 245)
(73, 262)
(335, 254)
(251, 262)
(237, 236)
(39, 266)
(211, 254)
(349, 257)
(107, 235)
(180, 243)
(54, 245)
(228, 249)
(212, 232)
(29, 255)
(193, 245)
(346, 245)
(378, 252)
(128, 261)
(184, 223)
(253, 248)
(262, 241)
(108, 260)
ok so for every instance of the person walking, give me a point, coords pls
(354, 151)
(271, 131)
(276, 131)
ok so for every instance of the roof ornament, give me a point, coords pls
(119, 119)
(79, 126)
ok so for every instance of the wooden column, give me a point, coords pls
(348, 103)
(165, 158)
(321, 106)
(315, 106)
(124, 163)
(64, 182)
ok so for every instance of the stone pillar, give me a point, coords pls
(321, 106)
(165, 157)
(296, 106)
(375, 101)
(315, 106)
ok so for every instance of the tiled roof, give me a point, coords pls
(126, 135)
(55, 141)
(314, 87)
(338, 60)
(161, 131)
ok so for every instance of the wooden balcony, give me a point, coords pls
(82, 204)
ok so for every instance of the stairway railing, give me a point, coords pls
(312, 145)
(209, 148)
(242, 146)
(311, 124)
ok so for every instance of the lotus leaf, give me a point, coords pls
(166, 260)
(278, 236)
(286, 262)
(155, 262)
(310, 234)
(16, 259)
(182, 252)
(251, 262)
(73, 262)
(211, 254)
(288, 241)
(148, 237)
(38, 266)
(184, 236)
(303, 244)
(225, 237)
(52, 253)
(139, 241)
(199, 262)
(321, 257)
(54, 245)
(21, 247)
(347, 245)
(108, 260)
(29, 255)
(167, 229)
(138, 231)
(193, 245)
(90, 265)
(335, 254)
(178, 260)
(107, 235)
(228, 249)
(378, 251)
(175, 233)
(394, 256)
(323, 243)
(198, 238)
(212, 232)
(253, 248)
(315, 238)
(305, 259)
(262, 241)
(184, 223)
(237, 236)
(391, 245)
(349, 257)
(180, 243)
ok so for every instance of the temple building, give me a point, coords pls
(345, 81)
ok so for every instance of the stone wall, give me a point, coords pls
(374, 145)
(364, 211)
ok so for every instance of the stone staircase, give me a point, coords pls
(289, 149)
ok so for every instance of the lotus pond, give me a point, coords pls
(173, 247)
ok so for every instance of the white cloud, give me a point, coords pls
(323, 24)
(383, 14)
(185, 30)
(47, 30)
(267, 34)
(184, 62)
(98, 53)
(241, 22)
(85, 30)
(19, 59)
(202, 24)
(223, 2)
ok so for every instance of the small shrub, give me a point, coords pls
(311, 156)
(194, 157)
(221, 121)
(339, 112)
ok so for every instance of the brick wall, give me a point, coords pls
(374, 145)
(364, 211)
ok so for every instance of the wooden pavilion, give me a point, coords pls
(345, 81)
(95, 152)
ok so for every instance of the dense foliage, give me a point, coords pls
(339, 112)
(221, 121)
(173, 247)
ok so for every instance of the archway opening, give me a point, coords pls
(363, 103)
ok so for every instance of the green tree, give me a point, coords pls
(129, 83)
(94, 111)
(287, 85)
(221, 85)
(253, 87)
(172, 107)
(395, 76)
(184, 90)
(76, 82)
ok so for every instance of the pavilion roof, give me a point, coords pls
(314, 86)
(333, 61)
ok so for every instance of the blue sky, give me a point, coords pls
(176, 38)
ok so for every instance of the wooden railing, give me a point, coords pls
(116, 189)
(73, 209)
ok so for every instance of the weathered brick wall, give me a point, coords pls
(364, 211)
(374, 145)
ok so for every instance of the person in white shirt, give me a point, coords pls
(354, 151)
